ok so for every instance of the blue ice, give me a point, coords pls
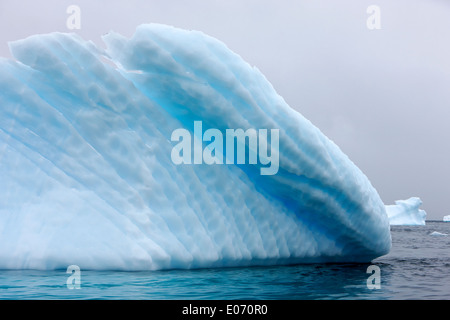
(87, 177)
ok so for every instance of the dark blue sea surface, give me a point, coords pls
(418, 267)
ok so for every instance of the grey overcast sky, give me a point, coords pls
(382, 95)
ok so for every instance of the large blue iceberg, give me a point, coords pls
(87, 176)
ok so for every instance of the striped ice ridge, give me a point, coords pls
(87, 176)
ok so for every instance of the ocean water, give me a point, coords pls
(418, 267)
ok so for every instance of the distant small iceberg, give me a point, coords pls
(438, 234)
(446, 218)
(406, 212)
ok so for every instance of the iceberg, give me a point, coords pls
(438, 234)
(406, 212)
(446, 218)
(87, 177)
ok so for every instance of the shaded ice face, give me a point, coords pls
(88, 176)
